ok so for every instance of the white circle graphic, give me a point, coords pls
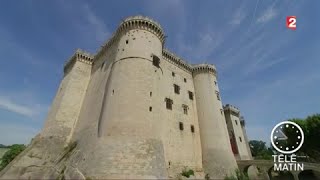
(286, 124)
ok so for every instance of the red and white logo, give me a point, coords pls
(291, 22)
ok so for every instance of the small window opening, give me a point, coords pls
(185, 80)
(156, 61)
(169, 163)
(102, 65)
(215, 82)
(181, 126)
(236, 122)
(240, 139)
(150, 108)
(192, 128)
(190, 95)
(176, 89)
(218, 95)
(150, 94)
(221, 110)
(173, 74)
(169, 103)
(185, 109)
(127, 41)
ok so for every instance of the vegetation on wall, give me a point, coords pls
(187, 172)
(14, 151)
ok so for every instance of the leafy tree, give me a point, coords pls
(311, 129)
(11, 154)
(259, 150)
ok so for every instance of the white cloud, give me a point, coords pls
(24, 103)
(267, 15)
(238, 16)
(9, 105)
(95, 23)
(11, 133)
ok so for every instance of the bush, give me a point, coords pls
(14, 151)
(187, 173)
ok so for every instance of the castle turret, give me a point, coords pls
(217, 156)
(65, 109)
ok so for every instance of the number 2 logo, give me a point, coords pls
(291, 22)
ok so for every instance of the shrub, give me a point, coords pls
(187, 173)
(14, 151)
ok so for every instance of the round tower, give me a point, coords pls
(127, 130)
(218, 159)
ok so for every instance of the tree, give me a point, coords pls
(259, 150)
(311, 129)
(15, 150)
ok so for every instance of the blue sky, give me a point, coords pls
(270, 72)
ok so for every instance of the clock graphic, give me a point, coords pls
(287, 137)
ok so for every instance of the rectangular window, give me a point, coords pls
(176, 89)
(236, 122)
(169, 103)
(155, 61)
(218, 95)
(240, 139)
(173, 74)
(185, 109)
(192, 128)
(181, 126)
(215, 82)
(190, 95)
(185, 80)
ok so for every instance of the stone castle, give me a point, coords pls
(135, 110)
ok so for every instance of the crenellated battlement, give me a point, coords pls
(176, 60)
(81, 56)
(231, 108)
(145, 23)
(204, 68)
(133, 22)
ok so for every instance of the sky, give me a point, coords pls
(268, 71)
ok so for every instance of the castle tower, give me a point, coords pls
(65, 109)
(116, 119)
(217, 156)
(237, 132)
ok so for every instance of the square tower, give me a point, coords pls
(237, 133)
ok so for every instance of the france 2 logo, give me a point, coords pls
(291, 22)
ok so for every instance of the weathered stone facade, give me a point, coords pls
(133, 110)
